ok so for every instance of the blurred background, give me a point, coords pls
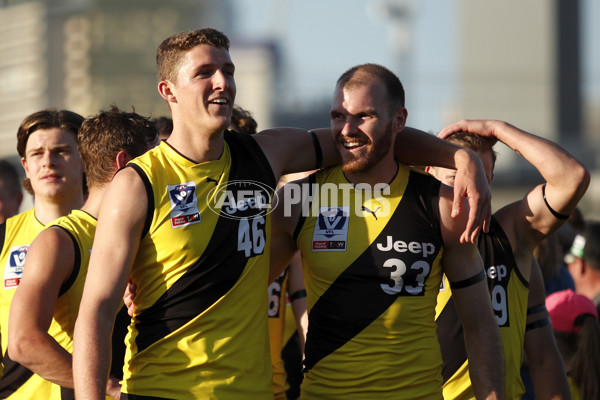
(535, 63)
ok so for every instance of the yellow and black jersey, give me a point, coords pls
(16, 234)
(200, 327)
(277, 318)
(509, 293)
(371, 260)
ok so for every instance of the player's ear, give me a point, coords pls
(400, 119)
(166, 92)
(122, 159)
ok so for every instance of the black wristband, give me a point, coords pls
(469, 281)
(299, 294)
(318, 150)
(536, 309)
(556, 214)
(538, 324)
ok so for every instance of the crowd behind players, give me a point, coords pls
(569, 259)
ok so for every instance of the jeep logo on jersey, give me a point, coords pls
(240, 199)
(184, 204)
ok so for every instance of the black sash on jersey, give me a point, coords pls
(355, 299)
(221, 265)
(13, 377)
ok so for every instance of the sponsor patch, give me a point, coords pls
(331, 229)
(184, 204)
(13, 271)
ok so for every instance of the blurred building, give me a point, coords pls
(85, 55)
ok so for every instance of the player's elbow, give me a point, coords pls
(23, 348)
(582, 176)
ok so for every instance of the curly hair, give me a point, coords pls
(103, 136)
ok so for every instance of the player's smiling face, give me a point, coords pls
(362, 125)
(206, 86)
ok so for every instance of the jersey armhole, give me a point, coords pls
(2, 234)
(76, 263)
(312, 179)
(149, 195)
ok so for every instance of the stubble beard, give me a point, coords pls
(372, 153)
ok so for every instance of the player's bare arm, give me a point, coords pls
(543, 209)
(49, 264)
(415, 147)
(291, 150)
(118, 233)
(545, 364)
(464, 269)
(297, 294)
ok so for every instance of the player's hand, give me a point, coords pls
(484, 128)
(471, 182)
(113, 388)
(128, 296)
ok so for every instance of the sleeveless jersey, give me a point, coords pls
(16, 234)
(372, 271)
(81, 227)
(200, 327)
(277, 319)
(509, 293)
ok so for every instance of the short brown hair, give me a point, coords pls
(45, 119)
(473, 142)
(171, 50)
(103, 136)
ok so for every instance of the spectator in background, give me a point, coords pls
(164, 126)
(11, 194)
(583, 262)
(575, 322)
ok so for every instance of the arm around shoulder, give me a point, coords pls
(291, 150)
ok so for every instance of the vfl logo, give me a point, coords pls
(182, 196)
(241, 199)
(330, 220)
(331, 229)
(184, 204)
(371, 212)
(14, 266)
